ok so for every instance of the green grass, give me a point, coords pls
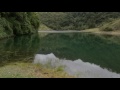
(30, 70)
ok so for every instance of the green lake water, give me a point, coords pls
(102, 50)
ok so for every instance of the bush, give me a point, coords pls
(17, 23)
(107, 29)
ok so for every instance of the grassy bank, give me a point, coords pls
(30, 70)
(114, 25)
(43, 27)
(98, 31)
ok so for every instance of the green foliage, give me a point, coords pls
(17, 23)
(52, 19)
(76, 20)
(5, 28)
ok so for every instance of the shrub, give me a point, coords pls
(107, 29)
(17, 23)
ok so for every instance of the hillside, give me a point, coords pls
(19, 23)
(77, 20)
(114, 25)
(43, 27)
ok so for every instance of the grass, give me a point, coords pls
(91, 30)
(98, 31)
(30, 70)
(44, 27)
(111, 26)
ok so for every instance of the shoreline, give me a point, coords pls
(53, 31)
(94, 31)
(30, 70)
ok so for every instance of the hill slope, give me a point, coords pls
(111, 26)
(76, 20)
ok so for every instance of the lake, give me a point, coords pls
(101, 50)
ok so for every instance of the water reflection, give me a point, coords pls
(99, 50)
(77, 68)
(88, 47)
(18, 48)
(111, 38)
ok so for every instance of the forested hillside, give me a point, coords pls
(77, 20)
(18, 23)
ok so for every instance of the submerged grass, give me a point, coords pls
(30, 70)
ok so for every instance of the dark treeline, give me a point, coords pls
(17, 23)
(76, 20)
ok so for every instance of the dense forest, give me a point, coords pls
(18, 23)
(77, 20)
